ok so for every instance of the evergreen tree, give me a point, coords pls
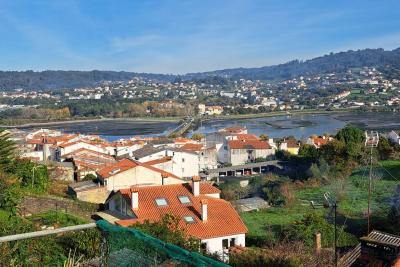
(7, 150)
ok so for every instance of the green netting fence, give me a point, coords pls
(127, 246)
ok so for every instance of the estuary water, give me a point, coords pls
(299, 126)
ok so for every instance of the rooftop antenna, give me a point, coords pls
(371, 141)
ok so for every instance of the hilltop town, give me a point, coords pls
(366, 88)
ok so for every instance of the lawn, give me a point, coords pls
(352, 197)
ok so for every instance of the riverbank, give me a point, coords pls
(53, 123)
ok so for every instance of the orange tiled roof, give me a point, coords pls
(319, 141)
(248, 144)
(192, 147)
(222, 219)
(247, 137)
(127, 164)
(85, 151)
(183, 140)
(158, 161)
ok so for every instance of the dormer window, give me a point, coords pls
(161, 202)
(184, 199)
(189, 219)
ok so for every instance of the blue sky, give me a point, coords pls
(180, 36)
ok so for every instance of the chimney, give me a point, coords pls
(134, 198)
(196, 185)
(204, 210)
(164, 177)
(317, 243)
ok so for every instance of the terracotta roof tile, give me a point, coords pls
(247, 137)
(222, 219)
(248, 144)
(192, 147)
(127, 164)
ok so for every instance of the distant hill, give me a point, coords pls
(334, 62)
(68, 79)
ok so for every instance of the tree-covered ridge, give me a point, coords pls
(67, 79)
(334, 62)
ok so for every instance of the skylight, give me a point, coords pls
(189, 219)
(161, 202)
(184, 199)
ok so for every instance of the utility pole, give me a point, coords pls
(336, 255)
(371, 141)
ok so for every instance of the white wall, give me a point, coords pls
(240, 156)
(215, 244)
(137, 176)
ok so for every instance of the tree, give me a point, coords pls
(351, 135)
(264, 137)
(7, 150)
(169, 230)
(385, 149)
(198, 136)
(89, 177)
(309, 151)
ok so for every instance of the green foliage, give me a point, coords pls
(198, 136)
(312, 223)
(10, 196)
(31, 174)
(168, 230)
(233, 191)
(260, 258)
(385, 149)
(89, 177)
(57, 219)
(7, 150)
(45, 251)
(86, 243)
(351, 135)
(309, 152)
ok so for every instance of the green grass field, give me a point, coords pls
(352, 196)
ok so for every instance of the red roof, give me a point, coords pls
(222, 219)
(319, 141)
(117, 167)
(247, 137)
(192, 147)
(158, 161)
(248, 144)
(127, 164)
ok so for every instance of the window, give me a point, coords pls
(203, 246)
(225, 243)
(232, 242)
(189, 219)
(161, 202)
(184, 199)
(183, 159)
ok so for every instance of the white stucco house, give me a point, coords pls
(244, 151)
(127, 173)
(203, 214)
